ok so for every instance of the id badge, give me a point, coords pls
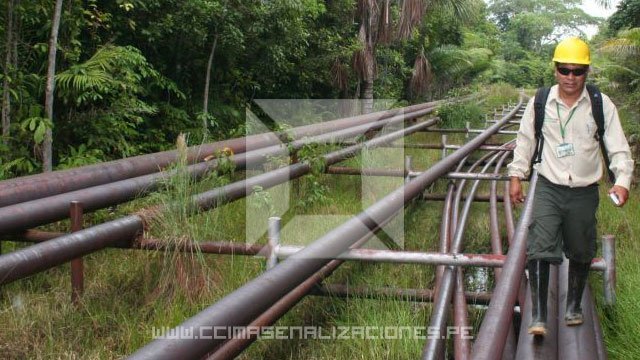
(564, 150)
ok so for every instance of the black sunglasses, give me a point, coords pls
(577, 72)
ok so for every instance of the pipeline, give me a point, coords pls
(42, 256)
(496, 248)
(493, 332)
(575, 342)
(46, 210)
(435, 345)
(120, 235)
(413, 295)
(245, 304)
(545, 348)
(234, 346)
(37, 186)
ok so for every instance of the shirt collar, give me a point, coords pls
(554, 95)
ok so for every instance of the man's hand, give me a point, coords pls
(621, 193)
(515, 190)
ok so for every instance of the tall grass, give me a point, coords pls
(621, 323)
(130, 292)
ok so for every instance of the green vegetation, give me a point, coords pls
(132, 75)
(456, 116)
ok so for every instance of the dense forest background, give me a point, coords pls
(130, 75)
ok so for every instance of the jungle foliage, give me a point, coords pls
(132, 74)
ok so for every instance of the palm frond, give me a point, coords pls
(421, 76)
(621, 48)
(621, 69)
(480, 57)
(82, 81)
(627, 44)
(462, 10)
(339, 75)
(111, 69)
(604, 3)
(410, 16)
(449, 60)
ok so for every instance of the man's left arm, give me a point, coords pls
(618, 151)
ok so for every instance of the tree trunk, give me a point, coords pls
(205, 105)
(47, 146)
(6, 100)
(367, 96)
(369, 76)
(370, 64)
(16, 36)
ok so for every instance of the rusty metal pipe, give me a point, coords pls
(540, 348)
(445, 231)
(245, 304)
(413, 295)
(233, 248)
(609, 255)
(442, 197)
(407, 257)
(461, 344)
(493, 330)
(32, 187)
(343, 170)
(77, 265)
(38, 186)
(460, 187)
(449, 216)
(446, 226)
(25, 215)
(42, 256)
(508, 213)
(476, 176)
(575, 342)
(433, 146)
(434, 348)
(435, 345)
(30, 260)
(496, 248)
(597, 329)
(206, 247)
(214, 197)
(496, 241)
(233, 347)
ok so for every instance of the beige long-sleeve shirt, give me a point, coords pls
(586, 166)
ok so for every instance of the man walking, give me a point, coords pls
(569, 165)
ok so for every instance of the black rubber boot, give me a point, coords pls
(578, 273)
(539, 283)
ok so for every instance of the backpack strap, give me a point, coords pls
(539, 105)
(598, 115)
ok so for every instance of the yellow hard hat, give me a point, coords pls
(572, 51)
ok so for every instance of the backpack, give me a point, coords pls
(539, 105)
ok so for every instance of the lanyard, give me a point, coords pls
(564, 127)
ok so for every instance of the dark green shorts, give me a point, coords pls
(564, 219)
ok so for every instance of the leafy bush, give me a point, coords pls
(500, 94)
(107, 100)
(80, 156)
(457, 115)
